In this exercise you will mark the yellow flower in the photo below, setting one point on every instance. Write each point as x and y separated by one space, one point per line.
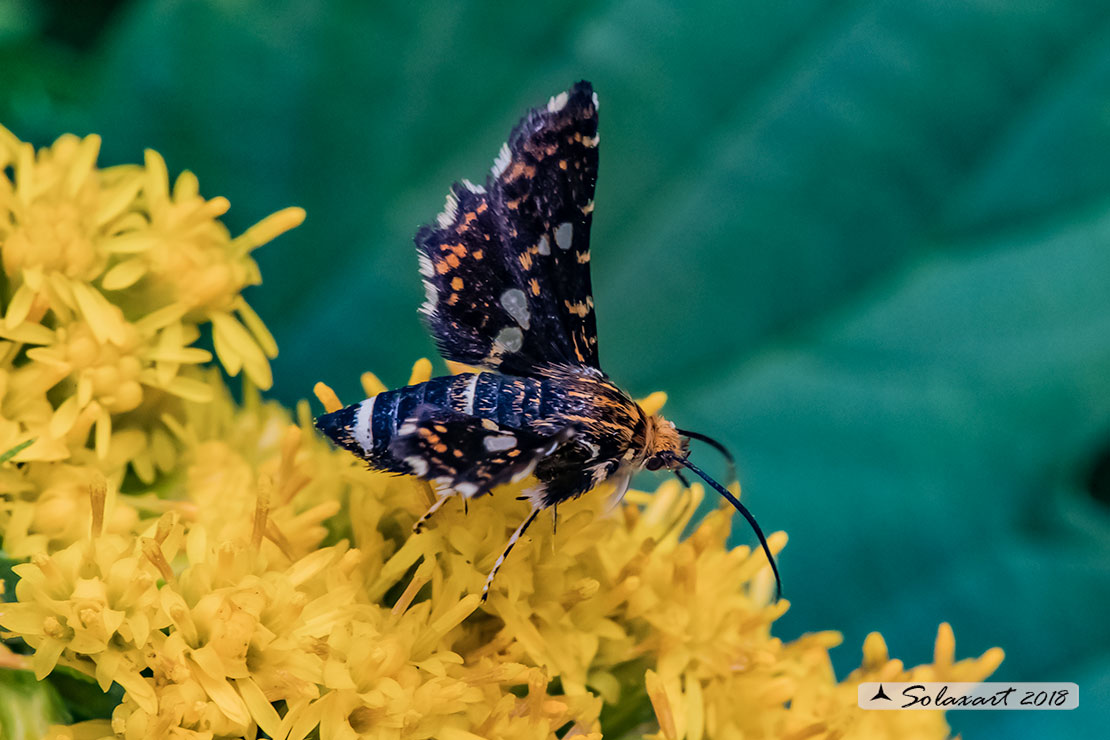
110 273
235 575
92 606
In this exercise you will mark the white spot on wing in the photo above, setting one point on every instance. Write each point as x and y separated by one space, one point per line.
468 394
591 142
543 246
595 100
473 188
511 338
496 444
418 464
557 103
503 158
450 208
467 489
426 268
513 301
564 235
364 435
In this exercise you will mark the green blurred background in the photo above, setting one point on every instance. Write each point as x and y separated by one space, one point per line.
866 244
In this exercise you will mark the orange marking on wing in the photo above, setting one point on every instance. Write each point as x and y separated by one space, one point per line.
481 208
519 169
525 260
441 448
452 260
478 252
578 309
535 284
583 257
562 164
512 204
442 267
577 352
452 299
456 283
459 250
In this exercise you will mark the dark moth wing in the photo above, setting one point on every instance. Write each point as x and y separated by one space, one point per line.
506 267
467 454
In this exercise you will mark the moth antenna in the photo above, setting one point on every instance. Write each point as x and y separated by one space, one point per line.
747 515
717 446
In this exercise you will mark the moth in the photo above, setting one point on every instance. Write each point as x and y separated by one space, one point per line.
506 272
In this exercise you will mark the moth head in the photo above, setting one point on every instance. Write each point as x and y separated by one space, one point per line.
664 446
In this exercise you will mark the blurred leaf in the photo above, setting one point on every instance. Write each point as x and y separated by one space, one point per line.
82 695
7 577
27 706
19 19
924 450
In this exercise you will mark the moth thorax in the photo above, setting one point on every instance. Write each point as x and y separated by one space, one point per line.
662 438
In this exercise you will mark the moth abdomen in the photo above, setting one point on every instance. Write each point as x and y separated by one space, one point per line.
367 428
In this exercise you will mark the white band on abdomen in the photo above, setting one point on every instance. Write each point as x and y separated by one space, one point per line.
364 432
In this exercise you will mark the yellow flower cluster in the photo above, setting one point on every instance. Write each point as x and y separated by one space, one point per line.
249 579
107 276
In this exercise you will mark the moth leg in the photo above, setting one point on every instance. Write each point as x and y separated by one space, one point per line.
620 487
560 481
418 527
508 546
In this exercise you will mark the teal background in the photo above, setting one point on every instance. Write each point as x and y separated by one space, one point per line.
866 244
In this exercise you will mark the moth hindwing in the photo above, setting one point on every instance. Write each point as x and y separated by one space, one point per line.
466 454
